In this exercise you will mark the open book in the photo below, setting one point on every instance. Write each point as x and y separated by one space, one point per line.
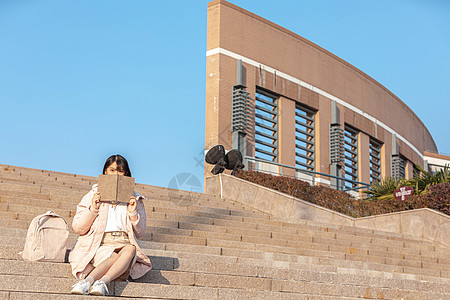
115 188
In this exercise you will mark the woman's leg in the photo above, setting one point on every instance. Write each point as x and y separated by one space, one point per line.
115 265
102 268
86 271
126 255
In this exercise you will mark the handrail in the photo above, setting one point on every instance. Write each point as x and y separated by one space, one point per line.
308 172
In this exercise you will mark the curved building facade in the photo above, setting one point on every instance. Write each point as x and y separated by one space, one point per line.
283 99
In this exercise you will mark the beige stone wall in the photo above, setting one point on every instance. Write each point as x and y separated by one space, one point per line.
425 223
274 50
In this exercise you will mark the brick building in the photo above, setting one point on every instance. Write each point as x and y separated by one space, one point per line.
283 99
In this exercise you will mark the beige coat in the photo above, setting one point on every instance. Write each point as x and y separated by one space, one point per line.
91 227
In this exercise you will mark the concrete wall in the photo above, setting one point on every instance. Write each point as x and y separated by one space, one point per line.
425 224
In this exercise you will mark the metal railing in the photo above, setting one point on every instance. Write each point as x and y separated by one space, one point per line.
339 180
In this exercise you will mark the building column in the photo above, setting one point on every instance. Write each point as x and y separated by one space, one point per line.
363 158
286 140
409 169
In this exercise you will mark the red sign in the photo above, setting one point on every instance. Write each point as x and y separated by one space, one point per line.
403 192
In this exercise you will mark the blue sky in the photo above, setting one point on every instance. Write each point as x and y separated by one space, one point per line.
81 80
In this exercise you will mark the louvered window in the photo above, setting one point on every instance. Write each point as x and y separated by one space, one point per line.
351 155
398 166
304 138
266 126
375 160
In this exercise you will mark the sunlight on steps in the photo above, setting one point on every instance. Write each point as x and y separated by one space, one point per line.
204 247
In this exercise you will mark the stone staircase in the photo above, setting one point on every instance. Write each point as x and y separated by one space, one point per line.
204 247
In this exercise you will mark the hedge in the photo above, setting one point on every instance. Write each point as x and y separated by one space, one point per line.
437 198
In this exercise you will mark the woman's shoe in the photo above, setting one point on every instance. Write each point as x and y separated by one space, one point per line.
99 288
81 287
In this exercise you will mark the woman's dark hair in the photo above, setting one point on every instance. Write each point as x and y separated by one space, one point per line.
121 163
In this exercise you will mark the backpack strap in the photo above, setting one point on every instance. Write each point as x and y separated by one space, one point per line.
49 214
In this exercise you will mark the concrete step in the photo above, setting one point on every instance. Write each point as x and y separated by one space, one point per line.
309 233
214 279
159 204
383 241
50 181
77 179
171 257
255 257
46 179
70 195
289 261
51 185
285 261
181 210
356 244
204 247
279 289
20 188
14 172
49 296
150 291
338 245
224 294
214 238
8 169
45 174
42 175
188 268
26 206
287 229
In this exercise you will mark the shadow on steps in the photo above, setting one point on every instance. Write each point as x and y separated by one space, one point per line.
159 263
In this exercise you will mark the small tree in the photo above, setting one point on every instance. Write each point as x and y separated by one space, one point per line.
424 179
384 189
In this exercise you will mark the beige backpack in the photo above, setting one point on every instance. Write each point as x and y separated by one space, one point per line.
47 238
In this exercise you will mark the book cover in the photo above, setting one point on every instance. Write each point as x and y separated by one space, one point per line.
115 188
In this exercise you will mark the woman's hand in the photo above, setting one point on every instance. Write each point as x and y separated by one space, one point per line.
132 205
96 201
